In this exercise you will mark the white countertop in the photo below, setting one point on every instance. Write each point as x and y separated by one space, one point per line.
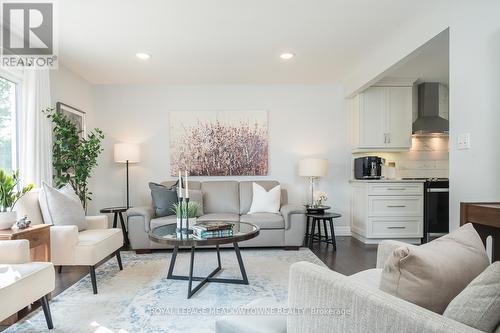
387 181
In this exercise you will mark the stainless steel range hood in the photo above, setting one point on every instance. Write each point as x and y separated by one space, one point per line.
432 110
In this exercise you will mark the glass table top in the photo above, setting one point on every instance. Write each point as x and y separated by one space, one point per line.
168 234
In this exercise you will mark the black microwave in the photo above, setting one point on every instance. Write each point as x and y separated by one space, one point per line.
368 167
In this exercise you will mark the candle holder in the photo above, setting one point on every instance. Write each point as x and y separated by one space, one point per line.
187 230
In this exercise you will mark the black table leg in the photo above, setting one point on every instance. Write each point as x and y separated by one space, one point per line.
210 278
334 241
326 232
124 230
313 229
240 263
306 241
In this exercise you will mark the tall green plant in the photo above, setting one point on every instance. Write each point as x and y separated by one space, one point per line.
74 156
8 193
188 210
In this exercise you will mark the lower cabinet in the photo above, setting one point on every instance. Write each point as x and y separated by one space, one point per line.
392 211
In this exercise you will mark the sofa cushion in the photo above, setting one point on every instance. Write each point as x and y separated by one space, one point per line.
22 284
431 275
62 206
478 305
219 217
163 198
221 197
95 245
264 201
264 220
28 205
370 277
246 192
157 222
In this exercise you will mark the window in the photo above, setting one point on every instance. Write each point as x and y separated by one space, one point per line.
8 105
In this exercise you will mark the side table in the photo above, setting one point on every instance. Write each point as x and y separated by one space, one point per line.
315 219
118 212
39 237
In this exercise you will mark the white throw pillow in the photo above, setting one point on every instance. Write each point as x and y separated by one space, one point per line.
62 206
264 201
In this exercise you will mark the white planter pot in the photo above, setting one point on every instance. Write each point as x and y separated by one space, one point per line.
192 221
7 220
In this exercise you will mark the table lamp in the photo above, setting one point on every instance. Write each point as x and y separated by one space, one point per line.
127 153
313 168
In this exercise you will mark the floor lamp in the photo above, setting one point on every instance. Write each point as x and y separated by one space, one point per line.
127 153
313 168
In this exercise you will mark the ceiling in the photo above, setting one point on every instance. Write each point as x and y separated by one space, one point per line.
225 41
429 63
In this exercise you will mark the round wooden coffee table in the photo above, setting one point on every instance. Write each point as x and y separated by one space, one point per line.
167 234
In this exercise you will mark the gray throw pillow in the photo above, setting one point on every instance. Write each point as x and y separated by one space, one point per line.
164 199
61 206
431 275
478 305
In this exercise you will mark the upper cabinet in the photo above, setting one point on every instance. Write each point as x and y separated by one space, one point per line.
382 119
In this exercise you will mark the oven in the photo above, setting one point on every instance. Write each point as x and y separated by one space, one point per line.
436 208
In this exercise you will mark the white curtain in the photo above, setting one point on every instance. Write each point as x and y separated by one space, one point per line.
35 130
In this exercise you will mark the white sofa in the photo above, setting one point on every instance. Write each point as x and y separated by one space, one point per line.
355 304
68 247
23 282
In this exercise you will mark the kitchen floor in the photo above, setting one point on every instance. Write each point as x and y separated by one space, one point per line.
351 257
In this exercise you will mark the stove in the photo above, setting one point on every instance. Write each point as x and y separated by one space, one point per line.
436 207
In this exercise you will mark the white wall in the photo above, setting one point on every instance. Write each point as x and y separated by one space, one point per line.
303 121
474 90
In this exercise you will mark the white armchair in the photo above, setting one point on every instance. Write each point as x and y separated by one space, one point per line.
69 247
23 282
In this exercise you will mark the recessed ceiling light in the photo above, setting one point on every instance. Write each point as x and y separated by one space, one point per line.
287 56
143 56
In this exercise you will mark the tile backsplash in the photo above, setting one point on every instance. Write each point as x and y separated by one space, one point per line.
428 157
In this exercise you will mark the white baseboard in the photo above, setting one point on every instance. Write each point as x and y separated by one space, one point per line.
375 241
342 230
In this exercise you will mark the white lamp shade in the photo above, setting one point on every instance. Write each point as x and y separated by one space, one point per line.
127 152
313 167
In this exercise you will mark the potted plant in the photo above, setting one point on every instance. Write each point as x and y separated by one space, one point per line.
74 155
188 210
320 198
9 196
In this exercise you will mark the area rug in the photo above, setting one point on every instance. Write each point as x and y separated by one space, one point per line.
141 298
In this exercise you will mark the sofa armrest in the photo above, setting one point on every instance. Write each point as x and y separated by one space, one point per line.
385 248
63 241
143 214
97 222
288 210
351 307
14 251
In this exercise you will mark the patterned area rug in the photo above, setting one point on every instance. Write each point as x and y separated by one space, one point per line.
141 299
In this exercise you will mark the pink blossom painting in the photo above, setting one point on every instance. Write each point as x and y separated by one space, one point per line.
219 143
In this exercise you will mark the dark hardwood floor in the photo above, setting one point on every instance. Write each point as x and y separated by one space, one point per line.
351 257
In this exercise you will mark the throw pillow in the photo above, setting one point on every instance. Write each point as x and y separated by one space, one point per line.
478 305
163 199
264 201
62 206
431 275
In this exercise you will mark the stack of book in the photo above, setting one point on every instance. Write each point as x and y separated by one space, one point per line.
205 230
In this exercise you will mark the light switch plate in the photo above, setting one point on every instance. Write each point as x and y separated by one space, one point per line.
464 141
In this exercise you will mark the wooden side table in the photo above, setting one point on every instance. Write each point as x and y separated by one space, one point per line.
38 236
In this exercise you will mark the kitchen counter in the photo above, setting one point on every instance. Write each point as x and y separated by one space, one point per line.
387 181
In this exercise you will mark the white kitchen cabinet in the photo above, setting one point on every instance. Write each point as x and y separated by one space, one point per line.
382 119
386 210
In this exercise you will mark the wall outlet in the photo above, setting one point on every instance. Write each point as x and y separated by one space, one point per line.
463 141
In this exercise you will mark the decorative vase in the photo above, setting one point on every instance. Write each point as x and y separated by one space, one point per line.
7 220
181 223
